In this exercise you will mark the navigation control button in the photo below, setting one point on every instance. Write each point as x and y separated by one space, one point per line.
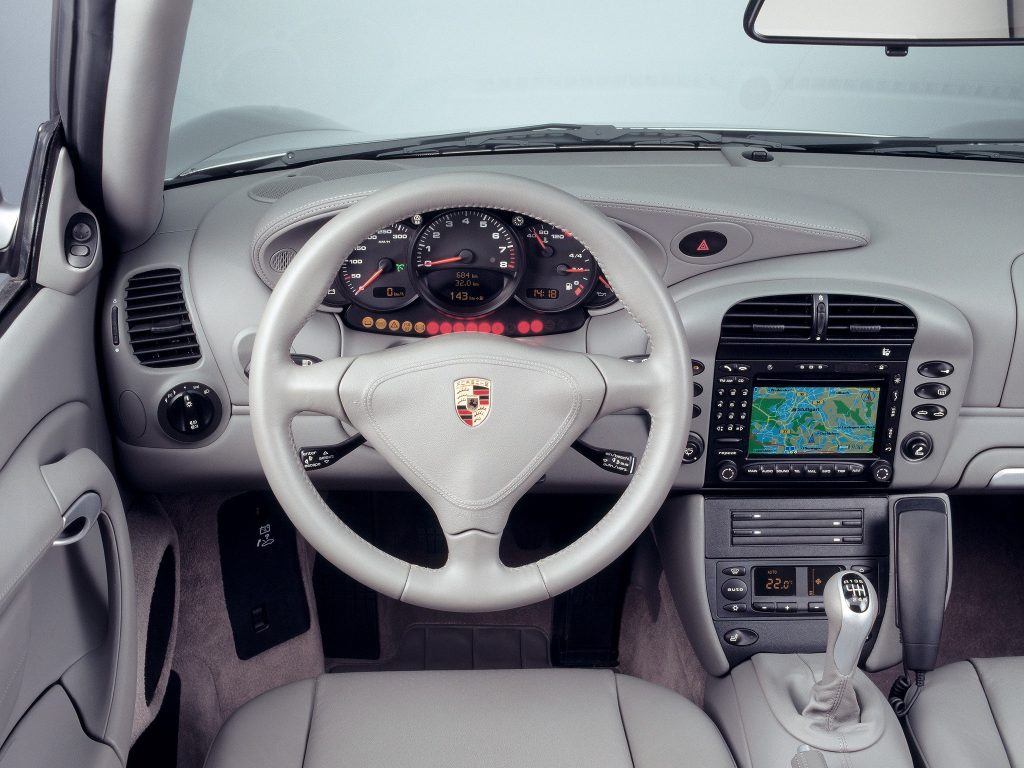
932 390
935 369
881 471
734 589
727 471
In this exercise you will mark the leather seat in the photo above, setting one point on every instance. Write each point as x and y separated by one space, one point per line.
968 715
525 719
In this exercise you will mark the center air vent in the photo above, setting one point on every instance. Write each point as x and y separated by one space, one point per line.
770 318
868 319
159 326
799 526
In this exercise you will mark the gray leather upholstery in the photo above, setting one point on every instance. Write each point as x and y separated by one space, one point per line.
968 715
520 719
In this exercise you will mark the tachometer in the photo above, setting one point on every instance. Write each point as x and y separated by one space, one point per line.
466 262
376 274
560 271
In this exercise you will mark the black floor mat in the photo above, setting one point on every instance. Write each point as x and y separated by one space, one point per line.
348 614
259 560
157 746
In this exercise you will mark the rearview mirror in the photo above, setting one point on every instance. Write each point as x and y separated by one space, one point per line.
892 23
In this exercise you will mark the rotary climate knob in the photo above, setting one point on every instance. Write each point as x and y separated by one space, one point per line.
189 412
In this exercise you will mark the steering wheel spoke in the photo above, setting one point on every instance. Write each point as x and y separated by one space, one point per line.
313 388
628 384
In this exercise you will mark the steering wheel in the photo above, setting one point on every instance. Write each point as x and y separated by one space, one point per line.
403 400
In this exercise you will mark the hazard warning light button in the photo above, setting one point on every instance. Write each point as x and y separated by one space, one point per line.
706 242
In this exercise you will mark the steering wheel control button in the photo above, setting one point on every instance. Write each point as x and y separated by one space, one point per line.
933 390
929 412
189 412
705 242
740 637
935 369
320 457
734 590
917 446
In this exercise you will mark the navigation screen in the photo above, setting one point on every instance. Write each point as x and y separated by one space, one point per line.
813 420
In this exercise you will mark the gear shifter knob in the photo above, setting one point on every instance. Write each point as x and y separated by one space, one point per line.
851 606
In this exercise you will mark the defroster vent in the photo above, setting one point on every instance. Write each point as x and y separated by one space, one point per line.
159 326
797 526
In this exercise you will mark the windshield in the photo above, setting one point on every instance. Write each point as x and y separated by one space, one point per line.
261 77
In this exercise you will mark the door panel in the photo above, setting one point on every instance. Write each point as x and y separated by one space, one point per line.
67 613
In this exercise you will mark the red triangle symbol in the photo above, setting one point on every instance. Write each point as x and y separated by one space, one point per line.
703 247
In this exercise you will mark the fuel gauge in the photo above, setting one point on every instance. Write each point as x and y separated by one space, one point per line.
560 270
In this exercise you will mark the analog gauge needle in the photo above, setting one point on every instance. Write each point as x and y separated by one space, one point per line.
604 282
564 269
545 249
464 255
385 265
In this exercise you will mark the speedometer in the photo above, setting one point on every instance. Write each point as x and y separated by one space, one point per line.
466 262
376 274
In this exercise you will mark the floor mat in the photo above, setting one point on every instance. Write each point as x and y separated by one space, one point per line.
453 646
259 559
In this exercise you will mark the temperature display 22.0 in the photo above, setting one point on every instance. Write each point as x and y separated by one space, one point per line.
775 580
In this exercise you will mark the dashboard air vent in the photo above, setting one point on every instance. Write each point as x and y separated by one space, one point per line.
868 319
770 318
800 526
159 326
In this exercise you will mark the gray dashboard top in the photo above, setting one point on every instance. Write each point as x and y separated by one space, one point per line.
940 235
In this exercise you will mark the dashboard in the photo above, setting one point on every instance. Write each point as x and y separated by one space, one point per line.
852 320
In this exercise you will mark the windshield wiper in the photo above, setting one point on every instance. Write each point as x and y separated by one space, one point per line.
958 149
548 137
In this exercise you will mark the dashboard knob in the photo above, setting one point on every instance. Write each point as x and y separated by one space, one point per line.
917 446
694 448
881 471
189 412
727 471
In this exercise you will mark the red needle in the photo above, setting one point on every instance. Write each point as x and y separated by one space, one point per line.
451 260
576 269
539 239
372 277
604 282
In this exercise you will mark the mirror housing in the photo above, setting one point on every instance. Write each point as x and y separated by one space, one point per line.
894 24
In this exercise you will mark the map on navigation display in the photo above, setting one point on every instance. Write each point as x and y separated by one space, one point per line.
813 420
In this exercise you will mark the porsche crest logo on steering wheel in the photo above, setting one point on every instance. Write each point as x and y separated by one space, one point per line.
472 400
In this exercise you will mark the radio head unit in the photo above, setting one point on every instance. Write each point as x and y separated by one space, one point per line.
821 421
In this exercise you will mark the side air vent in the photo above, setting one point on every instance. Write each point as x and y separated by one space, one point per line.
803 526
865 318
770 318
159 326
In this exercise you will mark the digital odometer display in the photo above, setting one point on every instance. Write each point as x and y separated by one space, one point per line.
775 580
813 420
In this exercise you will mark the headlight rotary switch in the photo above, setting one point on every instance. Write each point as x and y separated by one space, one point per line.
189 412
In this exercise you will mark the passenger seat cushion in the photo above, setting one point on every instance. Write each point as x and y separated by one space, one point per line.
558 718
969 714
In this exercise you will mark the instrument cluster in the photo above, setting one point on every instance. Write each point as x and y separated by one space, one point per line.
469 269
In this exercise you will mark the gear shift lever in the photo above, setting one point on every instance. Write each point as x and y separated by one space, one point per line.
851 606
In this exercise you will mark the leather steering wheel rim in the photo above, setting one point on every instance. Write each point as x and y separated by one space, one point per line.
567 392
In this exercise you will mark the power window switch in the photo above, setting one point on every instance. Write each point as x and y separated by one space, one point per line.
260 621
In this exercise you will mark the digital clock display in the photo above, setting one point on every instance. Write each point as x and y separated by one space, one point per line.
548 294
775 580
